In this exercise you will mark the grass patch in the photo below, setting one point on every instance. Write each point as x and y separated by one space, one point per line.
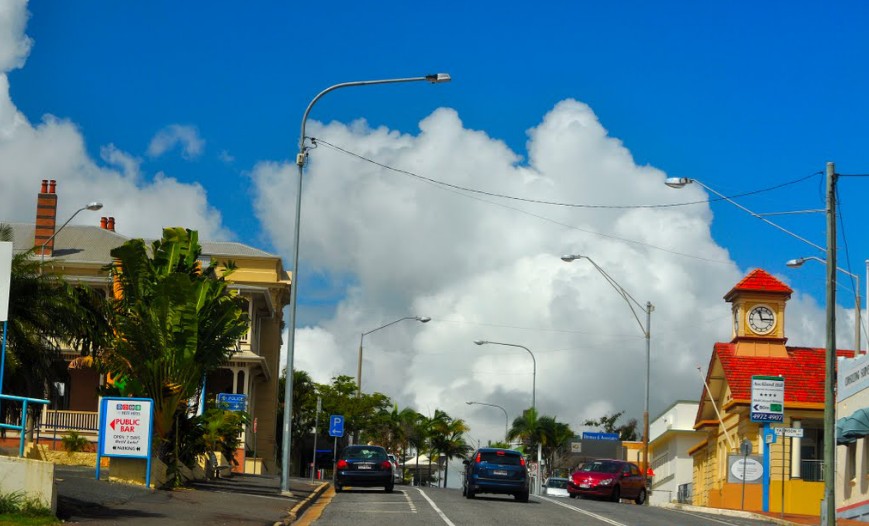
17 508
16 519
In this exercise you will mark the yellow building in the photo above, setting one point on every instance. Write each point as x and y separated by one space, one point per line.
81 253
788 470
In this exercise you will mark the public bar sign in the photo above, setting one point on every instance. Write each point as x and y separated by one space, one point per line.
125 427
767 399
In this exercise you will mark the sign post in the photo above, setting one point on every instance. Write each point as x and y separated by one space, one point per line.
336 429
125 430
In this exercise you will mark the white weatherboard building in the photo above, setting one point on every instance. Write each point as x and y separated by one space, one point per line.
671 436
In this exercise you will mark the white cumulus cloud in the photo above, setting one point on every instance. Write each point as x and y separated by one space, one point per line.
185 137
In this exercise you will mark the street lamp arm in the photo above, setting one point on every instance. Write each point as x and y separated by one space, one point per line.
679 182
435 78
423 319
506 418
630 300
90 206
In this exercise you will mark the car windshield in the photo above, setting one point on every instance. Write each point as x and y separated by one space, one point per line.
501 457
600 467
364 453
557 483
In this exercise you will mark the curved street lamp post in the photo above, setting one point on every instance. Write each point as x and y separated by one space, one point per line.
90 206
533 399
506 418
301 156
421 319
648 335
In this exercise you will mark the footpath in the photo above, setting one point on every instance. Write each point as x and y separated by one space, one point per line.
236 500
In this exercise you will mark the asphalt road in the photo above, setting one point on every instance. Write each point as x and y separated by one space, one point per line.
238 500
439 507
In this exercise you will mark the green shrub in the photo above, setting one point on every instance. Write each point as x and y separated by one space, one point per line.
19 503
73 442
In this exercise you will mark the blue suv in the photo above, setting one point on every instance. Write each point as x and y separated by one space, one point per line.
495 470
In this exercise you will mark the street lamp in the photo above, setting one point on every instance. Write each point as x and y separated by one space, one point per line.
533 398
506 418
90 206
286 443
681 182
421 319
648 335
794 263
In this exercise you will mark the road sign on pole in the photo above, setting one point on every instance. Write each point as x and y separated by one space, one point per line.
336 425
767 398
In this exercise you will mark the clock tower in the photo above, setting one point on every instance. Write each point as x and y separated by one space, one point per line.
758 306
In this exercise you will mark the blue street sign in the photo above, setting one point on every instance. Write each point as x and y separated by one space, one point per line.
588 435
232 402
336 425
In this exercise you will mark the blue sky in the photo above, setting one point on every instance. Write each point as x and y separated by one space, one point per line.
741 96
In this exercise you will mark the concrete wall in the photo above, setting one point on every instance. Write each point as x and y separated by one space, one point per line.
32 477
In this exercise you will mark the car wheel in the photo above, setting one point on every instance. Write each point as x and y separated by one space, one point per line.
573 495
641 498
464 491
389 488
470 494
339 488
522 497
617 494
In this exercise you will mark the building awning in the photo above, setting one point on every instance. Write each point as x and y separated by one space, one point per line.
851 428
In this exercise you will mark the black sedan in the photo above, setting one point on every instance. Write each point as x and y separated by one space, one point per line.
364 466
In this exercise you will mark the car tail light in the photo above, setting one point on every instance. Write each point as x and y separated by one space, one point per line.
342 464
386 464
522 461
479 458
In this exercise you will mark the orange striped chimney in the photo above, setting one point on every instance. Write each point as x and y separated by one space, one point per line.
46 218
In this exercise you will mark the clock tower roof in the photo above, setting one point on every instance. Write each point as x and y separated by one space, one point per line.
759 280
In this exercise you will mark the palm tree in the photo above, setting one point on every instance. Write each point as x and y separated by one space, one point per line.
527 429
173 323
447 438
555 435
417 432
45 315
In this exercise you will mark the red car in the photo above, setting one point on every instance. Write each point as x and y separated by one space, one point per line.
608 479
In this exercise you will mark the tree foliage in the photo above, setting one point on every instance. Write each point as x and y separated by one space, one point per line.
626 432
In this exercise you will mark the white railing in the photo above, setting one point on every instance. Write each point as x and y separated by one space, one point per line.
61 420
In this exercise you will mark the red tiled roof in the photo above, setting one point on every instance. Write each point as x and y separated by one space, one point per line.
803 371
759 280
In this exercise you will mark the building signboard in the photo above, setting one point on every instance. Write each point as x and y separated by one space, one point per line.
767 398
588 435
853 376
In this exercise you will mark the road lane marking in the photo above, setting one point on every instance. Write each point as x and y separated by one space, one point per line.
409 502
584 512
437 510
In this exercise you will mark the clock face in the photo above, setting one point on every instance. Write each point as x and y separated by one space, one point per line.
761 319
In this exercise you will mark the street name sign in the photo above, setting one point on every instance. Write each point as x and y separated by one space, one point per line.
767 398
232 402
336 425
590 435
793 432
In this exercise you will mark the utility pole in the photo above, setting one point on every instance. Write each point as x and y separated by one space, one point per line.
828 513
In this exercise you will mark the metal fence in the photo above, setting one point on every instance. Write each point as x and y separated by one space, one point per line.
685 493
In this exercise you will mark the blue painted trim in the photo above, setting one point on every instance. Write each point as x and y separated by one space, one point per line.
766 463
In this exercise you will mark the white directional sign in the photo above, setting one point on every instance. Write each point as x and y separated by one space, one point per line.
5 278
767 398
794 432
125 427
